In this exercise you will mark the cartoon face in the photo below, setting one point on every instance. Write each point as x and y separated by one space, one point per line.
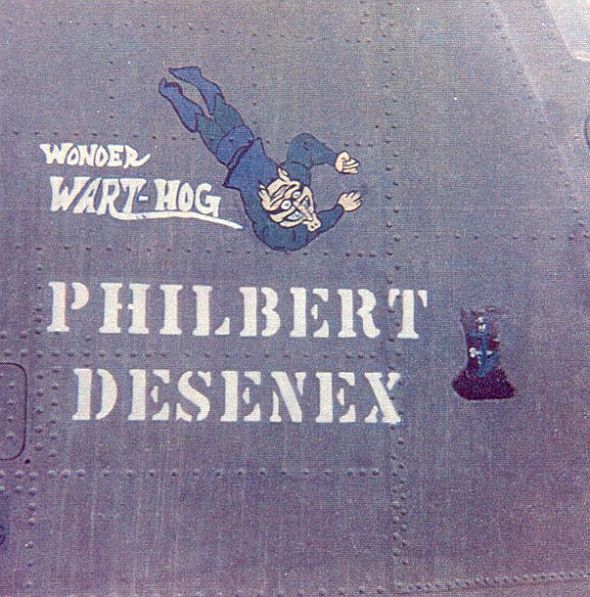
289 203
481 324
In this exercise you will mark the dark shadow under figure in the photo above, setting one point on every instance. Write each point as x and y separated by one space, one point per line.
277 200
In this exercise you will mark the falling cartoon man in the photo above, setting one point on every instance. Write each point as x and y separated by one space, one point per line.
278 200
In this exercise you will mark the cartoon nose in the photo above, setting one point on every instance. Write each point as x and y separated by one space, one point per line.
305 211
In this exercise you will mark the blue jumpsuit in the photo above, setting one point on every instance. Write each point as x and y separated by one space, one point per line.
235 145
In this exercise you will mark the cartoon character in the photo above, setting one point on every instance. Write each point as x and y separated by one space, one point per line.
483 377
278 200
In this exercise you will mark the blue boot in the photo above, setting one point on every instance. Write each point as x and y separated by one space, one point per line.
208 89
186 109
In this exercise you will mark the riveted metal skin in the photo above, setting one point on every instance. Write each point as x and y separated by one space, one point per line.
467 118
13 410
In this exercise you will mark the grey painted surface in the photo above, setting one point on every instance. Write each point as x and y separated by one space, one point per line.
466 117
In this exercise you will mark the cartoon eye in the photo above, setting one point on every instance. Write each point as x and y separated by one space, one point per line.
286 204
296 194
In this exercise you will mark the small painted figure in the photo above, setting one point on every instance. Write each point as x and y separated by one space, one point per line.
278 200
483 378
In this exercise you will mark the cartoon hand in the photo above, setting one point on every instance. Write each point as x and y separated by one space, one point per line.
350 201
345 164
